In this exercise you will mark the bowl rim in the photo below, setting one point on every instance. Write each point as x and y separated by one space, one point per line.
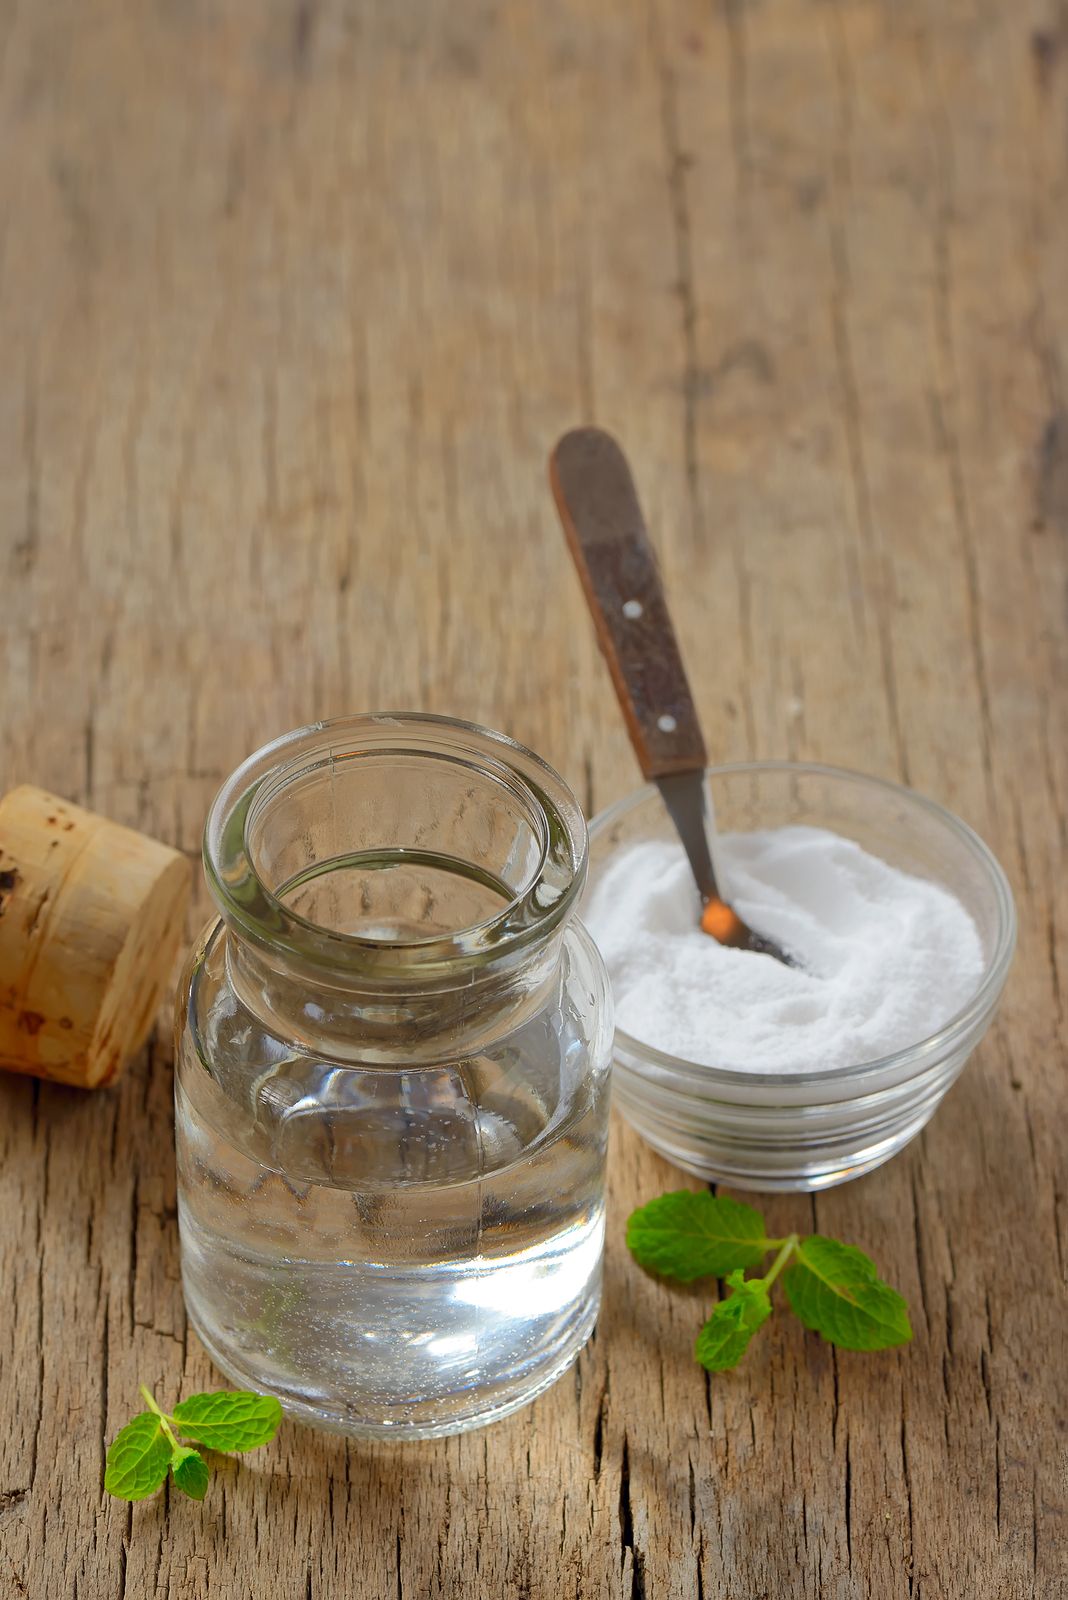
922 1052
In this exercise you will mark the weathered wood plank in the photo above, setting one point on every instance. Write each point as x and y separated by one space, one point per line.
293 301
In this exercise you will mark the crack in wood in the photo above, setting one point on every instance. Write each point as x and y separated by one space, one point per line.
304 18
1053 473
841 291
28 542
737 89
677 163
599 1428
947 413
626 1527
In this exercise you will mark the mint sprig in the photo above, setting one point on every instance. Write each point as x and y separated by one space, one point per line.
231 1419
686 1235
190 1471
834 1288
138 1459
724 1339
148 1447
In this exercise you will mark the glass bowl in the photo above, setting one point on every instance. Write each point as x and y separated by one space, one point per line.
810 1130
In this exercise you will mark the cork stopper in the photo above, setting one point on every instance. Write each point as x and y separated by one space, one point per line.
91 916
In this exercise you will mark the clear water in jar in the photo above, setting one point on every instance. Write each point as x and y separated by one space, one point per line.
408 1251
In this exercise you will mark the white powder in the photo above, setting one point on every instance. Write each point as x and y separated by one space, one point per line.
886 959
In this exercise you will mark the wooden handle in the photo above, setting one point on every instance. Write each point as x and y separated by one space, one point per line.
91 915
598 506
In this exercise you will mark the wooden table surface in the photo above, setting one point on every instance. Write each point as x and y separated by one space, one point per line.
294 300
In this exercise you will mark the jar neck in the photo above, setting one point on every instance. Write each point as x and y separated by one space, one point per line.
391 1023
394 887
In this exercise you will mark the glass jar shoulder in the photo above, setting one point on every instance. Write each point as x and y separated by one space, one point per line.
217 1028
297 1111
586 988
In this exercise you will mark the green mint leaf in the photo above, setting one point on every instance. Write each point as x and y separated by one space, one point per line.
723 1340
138 1459
686 1235
189 1471
229 1419
835 1290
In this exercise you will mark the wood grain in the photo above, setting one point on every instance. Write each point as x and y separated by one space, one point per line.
293 301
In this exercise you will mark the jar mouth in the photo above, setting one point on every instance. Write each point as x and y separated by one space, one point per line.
377 813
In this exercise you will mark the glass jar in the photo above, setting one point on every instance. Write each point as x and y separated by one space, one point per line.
392 1079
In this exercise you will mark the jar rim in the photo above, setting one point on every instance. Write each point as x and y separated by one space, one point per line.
537 907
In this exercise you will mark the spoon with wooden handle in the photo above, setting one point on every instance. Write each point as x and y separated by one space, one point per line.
605 529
